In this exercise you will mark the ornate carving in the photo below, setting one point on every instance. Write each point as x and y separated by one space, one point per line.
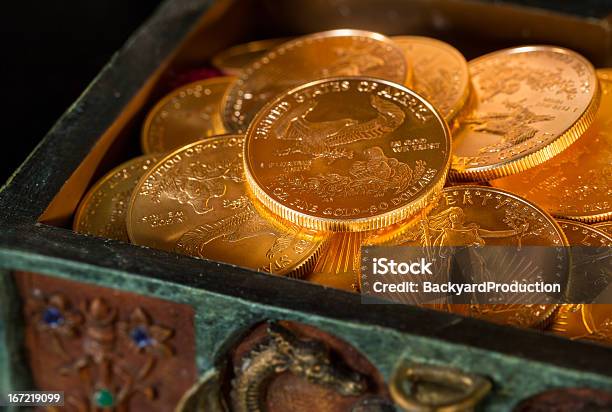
287 366
109 378
54 317
283 352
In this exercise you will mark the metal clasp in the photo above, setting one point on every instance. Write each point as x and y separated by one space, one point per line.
430 388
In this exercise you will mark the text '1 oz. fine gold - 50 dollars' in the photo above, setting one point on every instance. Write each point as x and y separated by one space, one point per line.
347 154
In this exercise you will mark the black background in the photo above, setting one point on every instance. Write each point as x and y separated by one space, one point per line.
51 50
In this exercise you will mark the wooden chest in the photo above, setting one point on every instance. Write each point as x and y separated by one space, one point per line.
140 327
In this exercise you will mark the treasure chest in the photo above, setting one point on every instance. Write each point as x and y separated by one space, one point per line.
122 327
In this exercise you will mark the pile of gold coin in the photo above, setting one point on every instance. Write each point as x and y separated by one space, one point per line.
315 146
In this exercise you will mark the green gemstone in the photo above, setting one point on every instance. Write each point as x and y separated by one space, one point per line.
104 398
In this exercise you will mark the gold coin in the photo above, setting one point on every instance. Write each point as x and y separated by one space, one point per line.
194 202
188 114
339 264
588 277
321 55
531 103
347 154
103 209
584 321
605 227
579 234
577 184
231 61
440 73
483 216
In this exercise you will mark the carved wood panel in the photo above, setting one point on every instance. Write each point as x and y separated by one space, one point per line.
107 349
325 373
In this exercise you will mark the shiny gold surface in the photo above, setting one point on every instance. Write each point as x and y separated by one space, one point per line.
480 216
506 116
187 114
347 154
577 184
579 234
321 55
231 61
531 103
194 202
605 227
339 264
440 73
103 209
584 321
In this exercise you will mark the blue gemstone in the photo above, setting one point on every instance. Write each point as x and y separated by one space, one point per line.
140 336
53 317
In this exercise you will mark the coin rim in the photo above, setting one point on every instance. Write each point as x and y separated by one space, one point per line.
599 225
84 203
229 97
546 319
145 131
587 227
219 59
458 106
566 307
540 154
351 225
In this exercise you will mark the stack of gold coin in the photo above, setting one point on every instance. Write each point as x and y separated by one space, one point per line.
319 145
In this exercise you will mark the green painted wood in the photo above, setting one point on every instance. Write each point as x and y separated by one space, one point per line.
14 373
221 320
